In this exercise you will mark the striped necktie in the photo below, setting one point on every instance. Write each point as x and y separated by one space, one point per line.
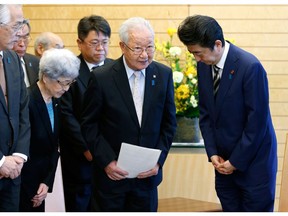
216 80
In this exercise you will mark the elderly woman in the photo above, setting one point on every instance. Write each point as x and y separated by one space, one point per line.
57 71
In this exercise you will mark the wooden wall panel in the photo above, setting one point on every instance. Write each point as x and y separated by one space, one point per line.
259 29
121 11
242 11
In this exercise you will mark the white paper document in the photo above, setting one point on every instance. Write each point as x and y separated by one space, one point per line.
135 159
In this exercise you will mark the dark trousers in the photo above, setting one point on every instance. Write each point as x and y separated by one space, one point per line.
9 195
77 197
135 200
239 197
26 205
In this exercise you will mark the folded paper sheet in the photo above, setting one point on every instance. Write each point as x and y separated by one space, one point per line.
135 159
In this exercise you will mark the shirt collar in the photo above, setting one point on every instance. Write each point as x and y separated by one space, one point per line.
221 63
130 71
90 66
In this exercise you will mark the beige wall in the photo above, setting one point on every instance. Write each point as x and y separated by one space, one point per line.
260 29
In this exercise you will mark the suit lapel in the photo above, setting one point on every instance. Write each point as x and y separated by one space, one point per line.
42 109
150 86
206 85
84 75
2 97
56 119
227 78
122 83
10 70
30 69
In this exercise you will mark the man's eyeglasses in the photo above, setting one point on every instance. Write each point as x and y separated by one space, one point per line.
138 50
25 39
17 26
96 43
65 84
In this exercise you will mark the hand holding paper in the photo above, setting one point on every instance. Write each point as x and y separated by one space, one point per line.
135 159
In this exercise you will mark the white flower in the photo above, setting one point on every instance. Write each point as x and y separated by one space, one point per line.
177 76
193 101
175 51
194 81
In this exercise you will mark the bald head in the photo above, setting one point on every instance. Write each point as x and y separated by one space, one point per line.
45 41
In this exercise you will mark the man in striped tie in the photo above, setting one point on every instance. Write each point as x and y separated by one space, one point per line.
235 118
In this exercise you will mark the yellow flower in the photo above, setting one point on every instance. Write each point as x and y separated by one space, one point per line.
171 31
182 92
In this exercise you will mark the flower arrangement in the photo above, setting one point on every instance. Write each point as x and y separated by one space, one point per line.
184 76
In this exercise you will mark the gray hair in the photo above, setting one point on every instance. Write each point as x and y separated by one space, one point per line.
57 63
5 15
132 24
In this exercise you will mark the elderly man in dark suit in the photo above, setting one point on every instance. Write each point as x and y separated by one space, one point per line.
132 101
93 41
235 118
14 113
30 63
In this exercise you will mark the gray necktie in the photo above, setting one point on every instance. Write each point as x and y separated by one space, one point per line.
2 79
137 96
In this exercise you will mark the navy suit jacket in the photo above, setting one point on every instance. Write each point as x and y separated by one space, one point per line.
32 67
237 126
109 118
76 168
15 126
43 159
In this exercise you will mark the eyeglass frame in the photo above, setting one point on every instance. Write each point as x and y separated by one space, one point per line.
26 39
63 85
97 43
16 27
139 50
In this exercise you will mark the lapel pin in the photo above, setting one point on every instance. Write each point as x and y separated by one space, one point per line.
30 64
154 76
231 74
8 60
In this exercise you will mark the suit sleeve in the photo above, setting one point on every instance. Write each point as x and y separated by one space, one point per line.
23 141
91 113
72 127
257 108
168 125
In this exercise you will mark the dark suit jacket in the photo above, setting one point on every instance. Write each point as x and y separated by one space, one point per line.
238 125
109 118
75 167
15 126
42 163
32 67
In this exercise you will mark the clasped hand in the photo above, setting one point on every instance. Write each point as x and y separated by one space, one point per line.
11 168
222 166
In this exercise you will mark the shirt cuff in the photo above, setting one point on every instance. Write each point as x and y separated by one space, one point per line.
2 161
21 155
